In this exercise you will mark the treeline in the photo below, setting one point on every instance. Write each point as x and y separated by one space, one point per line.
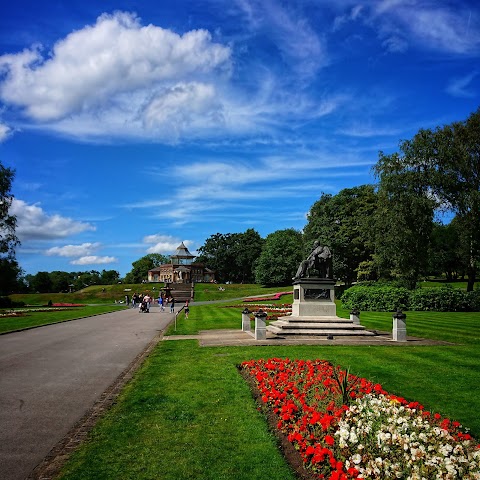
59 281
383 231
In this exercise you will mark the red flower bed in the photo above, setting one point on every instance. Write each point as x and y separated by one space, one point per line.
346 427
275 296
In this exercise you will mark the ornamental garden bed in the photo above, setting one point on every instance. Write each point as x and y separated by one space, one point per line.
334 425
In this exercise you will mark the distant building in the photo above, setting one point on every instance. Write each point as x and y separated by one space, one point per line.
181 269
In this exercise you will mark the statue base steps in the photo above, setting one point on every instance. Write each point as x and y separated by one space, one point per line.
318 326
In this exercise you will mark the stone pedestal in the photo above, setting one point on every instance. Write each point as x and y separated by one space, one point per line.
399 332
314 297
246 327
260 325
355 316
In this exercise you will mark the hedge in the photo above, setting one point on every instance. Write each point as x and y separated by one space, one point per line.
390 299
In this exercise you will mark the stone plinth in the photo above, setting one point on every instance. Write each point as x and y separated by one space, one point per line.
313 297
246 327
260 325
399 331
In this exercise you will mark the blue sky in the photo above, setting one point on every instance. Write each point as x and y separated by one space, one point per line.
133 126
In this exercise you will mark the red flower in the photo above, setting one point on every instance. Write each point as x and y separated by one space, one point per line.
329 440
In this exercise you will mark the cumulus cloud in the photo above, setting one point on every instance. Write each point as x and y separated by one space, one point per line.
85 249
116 67
33 223
93 260
164 244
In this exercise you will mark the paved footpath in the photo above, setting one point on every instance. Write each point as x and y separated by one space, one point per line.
51 376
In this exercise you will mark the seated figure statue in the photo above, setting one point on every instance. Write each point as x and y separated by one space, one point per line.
320 259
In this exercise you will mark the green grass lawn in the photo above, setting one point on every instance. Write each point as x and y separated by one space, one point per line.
35 319
188 414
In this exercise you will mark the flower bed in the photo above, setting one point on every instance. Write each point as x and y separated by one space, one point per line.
346 427
275 296
273 311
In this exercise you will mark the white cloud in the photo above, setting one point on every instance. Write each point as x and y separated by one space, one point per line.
5 132
164 244
84 249
116 68
94 260
290 31
33 223
462 87
428 25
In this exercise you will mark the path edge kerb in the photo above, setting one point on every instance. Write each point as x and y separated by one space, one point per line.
51 465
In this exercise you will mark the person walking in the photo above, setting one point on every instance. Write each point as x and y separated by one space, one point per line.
160 303
172 305
187 309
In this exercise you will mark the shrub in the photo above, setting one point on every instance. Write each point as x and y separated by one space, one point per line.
7 302
379 299
387 299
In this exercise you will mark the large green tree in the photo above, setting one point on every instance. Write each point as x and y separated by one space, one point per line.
232 255
282 253
344 223
247 248
443 166
446 255
9 268
404 220
141 267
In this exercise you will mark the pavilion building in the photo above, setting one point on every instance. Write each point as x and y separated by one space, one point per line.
181 269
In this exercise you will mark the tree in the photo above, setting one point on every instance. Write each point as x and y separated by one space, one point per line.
109 277
218 253
344 223
60 281
10 271
10 274
41 282
446 256
442 165
282 253
247 248
404 220
141 267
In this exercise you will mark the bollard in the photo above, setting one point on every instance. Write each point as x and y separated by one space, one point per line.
260 325
355 316
399 332
246 321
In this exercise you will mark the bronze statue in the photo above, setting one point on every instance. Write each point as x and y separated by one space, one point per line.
320 259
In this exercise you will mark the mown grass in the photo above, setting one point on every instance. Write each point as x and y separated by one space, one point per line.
211 292
188 414
95 294
35 319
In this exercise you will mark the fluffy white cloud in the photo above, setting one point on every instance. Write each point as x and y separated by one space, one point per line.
85 249
34 224
94 260
164 244
116 67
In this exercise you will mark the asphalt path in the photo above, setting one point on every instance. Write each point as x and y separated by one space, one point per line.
52 375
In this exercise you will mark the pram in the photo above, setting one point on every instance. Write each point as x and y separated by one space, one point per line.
144 308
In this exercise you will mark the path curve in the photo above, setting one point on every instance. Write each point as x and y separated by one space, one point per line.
51 376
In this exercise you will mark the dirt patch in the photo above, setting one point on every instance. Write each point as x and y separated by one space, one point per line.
291 455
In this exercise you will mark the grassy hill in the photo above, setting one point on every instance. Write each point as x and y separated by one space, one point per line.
108 294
